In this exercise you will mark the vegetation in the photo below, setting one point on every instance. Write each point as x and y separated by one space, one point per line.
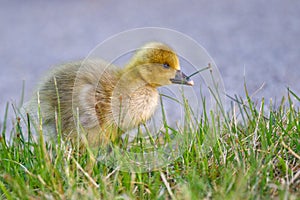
251 152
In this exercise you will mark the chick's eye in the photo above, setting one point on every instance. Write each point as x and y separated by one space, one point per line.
166 65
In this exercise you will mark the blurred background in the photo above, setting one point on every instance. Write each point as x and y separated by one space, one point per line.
253 40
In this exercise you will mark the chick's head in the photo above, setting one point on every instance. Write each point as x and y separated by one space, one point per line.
157 64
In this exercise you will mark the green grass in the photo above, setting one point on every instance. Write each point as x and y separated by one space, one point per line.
253 152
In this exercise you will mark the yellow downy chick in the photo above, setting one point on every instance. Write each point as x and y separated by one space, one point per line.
109 100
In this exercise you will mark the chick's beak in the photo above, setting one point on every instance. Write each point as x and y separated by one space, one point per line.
181 78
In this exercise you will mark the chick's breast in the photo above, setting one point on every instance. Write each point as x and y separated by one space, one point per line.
133 108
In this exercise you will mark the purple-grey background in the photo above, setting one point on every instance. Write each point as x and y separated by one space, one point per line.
258 40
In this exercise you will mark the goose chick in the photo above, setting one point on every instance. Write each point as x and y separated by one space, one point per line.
106 99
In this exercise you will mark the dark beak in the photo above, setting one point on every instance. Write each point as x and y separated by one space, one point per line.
181 78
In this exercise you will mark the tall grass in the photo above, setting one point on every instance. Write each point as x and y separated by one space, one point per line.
254 153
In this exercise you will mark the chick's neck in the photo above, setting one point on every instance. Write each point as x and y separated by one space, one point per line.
131 79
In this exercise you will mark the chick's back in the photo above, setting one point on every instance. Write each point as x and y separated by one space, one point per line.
72 88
